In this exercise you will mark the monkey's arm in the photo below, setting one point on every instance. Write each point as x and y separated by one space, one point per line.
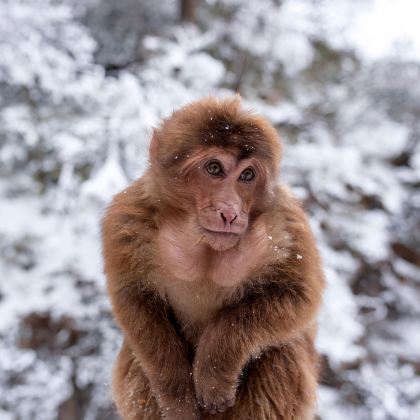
275 309
145 321
144 317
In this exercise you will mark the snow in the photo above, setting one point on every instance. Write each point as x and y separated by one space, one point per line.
109 180
328 74
338 319
390 27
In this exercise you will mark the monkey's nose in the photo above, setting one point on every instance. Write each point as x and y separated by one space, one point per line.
228 216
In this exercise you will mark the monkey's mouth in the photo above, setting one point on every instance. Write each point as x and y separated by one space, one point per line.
220 240
220 233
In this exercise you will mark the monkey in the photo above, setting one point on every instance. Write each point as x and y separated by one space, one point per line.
213 274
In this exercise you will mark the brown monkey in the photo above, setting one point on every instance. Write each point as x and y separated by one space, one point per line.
214 275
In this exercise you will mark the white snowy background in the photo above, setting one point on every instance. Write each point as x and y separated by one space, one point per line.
82 82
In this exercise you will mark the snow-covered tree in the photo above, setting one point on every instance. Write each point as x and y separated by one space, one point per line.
81 86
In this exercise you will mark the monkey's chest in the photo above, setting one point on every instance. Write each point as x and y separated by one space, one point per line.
208 270
194 304
196 281
187 282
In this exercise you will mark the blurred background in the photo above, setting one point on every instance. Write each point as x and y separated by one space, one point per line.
81 84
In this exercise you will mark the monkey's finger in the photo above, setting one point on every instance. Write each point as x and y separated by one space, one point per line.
212 407
221 408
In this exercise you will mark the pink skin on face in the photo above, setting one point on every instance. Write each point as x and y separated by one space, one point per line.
222 210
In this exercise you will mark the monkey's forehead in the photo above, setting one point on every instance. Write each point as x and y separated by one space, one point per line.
220 123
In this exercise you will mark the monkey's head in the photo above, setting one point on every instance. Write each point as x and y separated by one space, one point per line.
216 164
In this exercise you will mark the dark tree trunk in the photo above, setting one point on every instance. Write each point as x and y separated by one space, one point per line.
188 10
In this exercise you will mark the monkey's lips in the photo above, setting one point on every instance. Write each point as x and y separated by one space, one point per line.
221 233
220 240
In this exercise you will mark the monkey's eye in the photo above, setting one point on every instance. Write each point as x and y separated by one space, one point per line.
214 168
247 175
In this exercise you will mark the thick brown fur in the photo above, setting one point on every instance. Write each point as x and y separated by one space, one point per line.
217 299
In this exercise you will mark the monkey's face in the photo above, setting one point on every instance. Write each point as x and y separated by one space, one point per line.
223 191
215 165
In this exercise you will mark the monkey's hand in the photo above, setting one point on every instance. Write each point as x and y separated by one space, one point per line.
215 379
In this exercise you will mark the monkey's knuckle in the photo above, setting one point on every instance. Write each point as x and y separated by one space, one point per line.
215 398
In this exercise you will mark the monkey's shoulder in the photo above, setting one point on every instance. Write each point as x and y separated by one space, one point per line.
131 211
128 230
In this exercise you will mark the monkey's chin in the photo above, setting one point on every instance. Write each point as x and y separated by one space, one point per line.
220 241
